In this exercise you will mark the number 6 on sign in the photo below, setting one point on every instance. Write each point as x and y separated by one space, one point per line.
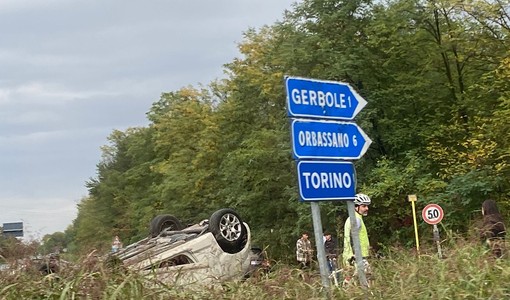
432 214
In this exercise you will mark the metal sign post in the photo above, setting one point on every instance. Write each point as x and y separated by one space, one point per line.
433 214
320 140
437 239
321 252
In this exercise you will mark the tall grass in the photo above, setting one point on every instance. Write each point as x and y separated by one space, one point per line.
466 272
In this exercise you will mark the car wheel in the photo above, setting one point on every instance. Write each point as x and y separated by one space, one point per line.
228 230
162 222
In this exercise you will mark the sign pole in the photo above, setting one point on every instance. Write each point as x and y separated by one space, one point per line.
433 214
319 242
412 199
435 232
356 245
321 141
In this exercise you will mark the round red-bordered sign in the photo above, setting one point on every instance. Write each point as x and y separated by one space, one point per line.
432 214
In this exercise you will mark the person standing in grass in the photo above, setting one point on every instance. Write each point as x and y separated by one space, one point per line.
493 230
361 203
304 251
330 248
116 244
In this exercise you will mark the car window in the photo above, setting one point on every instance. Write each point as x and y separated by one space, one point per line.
177 260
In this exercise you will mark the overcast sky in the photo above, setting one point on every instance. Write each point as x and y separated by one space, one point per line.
72 71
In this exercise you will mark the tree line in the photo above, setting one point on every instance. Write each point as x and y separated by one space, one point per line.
434 73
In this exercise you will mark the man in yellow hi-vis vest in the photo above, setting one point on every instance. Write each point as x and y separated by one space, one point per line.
361 203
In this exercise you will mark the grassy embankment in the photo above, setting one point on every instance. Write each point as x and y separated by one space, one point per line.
467 272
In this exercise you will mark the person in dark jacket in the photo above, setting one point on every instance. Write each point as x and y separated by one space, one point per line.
329 245
330 249
493 230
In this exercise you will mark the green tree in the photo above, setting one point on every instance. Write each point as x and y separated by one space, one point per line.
55 242
435 75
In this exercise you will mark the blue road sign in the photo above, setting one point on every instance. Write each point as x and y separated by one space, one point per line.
326 180
328 140
13 229
322 99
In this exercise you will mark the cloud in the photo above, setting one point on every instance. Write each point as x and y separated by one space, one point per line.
9 6
48 139
29 117
73 71
33 138
48 94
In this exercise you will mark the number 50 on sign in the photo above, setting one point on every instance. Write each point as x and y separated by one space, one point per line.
432 214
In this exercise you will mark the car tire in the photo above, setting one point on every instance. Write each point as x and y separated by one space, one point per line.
228 230
162 222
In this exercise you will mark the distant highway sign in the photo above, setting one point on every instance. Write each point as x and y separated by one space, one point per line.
14 229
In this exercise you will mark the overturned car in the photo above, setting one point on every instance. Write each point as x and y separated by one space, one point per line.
213 250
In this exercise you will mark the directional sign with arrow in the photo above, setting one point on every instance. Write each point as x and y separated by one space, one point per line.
319 137
313 139
322 99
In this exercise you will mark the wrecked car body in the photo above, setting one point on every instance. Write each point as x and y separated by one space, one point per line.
213 250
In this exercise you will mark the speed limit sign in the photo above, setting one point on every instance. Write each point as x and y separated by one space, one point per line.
432 214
